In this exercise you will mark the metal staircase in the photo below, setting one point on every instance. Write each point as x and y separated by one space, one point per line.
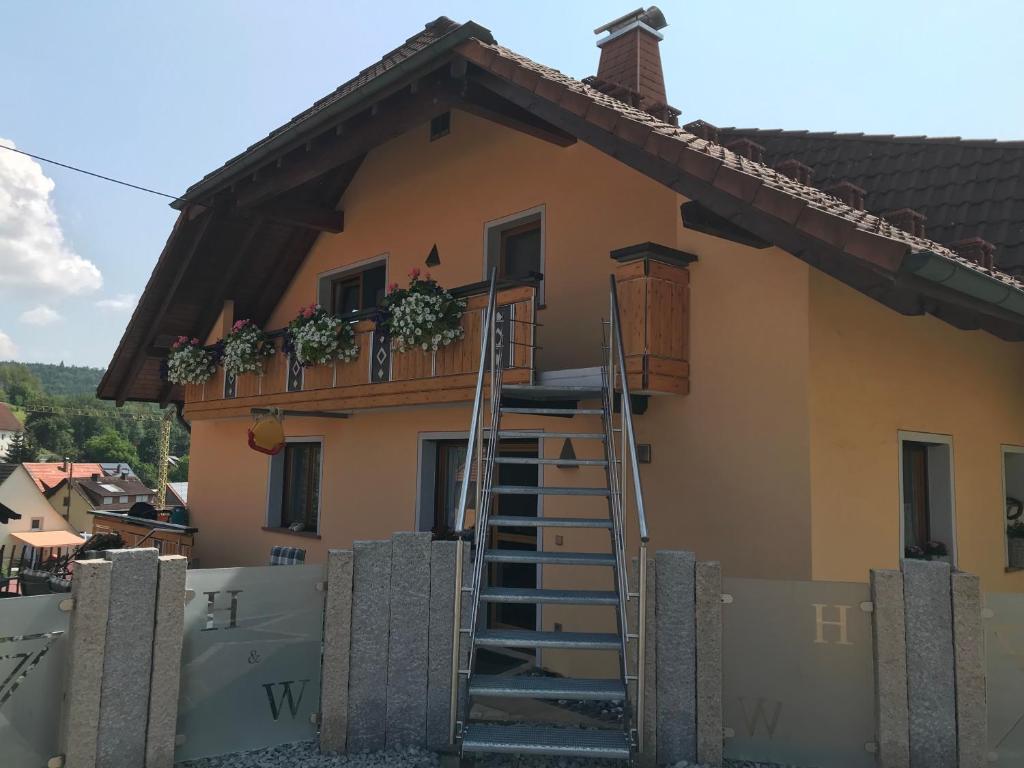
616 495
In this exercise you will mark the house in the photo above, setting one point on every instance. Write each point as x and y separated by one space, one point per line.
816 390
51 478
19 494
81 496
10 425
177 494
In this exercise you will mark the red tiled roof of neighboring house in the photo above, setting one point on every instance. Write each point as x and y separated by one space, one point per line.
8 421
50 473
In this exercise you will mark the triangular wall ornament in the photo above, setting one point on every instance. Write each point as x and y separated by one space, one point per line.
433 259
567 453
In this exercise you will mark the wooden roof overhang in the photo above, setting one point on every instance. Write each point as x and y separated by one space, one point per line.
243 230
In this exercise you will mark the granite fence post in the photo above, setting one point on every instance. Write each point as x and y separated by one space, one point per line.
87 639
368 670
407 659
337 646
677 666
888 627
439 642
708 584
969 655
124 691
165 676
931 681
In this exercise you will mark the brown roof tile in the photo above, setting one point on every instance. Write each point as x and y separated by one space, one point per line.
8 421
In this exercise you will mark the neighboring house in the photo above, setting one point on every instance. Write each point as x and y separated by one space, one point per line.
51 479
177 494
83 495
10 425
817 389
19 493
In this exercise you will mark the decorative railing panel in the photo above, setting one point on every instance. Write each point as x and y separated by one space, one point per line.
250 675
33 655
1004 649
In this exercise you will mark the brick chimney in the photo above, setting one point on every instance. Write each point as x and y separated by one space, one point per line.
906 219
631 60
795 170
976 249
849 193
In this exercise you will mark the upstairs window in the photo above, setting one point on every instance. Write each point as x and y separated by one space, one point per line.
37 523
515 245
926 488
354 291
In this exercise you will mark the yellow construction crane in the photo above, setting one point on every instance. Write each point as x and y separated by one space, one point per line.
165 452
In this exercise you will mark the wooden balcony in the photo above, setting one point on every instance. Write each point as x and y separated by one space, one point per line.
381 376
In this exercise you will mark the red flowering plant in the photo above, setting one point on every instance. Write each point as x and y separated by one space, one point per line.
424 315
245 348
316 337
189 362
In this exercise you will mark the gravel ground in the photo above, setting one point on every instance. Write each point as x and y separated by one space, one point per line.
305 754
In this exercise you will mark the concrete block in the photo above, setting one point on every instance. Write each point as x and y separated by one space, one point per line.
87 639
892 713
650 755
410 622
930 664
677 657
708 588
124 692
368 671
337 646
439 642
168 634
969 654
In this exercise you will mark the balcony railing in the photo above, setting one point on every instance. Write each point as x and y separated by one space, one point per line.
383 376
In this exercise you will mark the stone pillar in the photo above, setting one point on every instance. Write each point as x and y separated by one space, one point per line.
969 657
337 646
931 683
87 639
168 634
708 581
892 714
439 642
407 660
124 692
368 682
677 666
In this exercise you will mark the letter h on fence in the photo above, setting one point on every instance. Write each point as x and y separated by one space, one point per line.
232 611
821 623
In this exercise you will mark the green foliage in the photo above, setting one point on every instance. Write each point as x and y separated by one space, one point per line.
66 379
108 445
18 384
18 450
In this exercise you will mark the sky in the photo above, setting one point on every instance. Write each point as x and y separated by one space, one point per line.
158 94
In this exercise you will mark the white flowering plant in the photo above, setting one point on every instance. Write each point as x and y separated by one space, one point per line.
316 337
189 362
423 316
245 349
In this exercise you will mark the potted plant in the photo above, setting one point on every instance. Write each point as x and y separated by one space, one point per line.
1015 544
316 337
189 362
245 349
423 316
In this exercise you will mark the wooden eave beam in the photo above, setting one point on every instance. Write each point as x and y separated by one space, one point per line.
307 216
486 104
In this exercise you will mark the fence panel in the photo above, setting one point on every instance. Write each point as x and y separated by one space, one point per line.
1004 649
250 674
33 655
798 685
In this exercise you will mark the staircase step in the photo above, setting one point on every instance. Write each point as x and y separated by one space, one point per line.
554 411
550 596
548 490
558 462
545 740
527 434
525 638
548 558
542 392
576 689
509 521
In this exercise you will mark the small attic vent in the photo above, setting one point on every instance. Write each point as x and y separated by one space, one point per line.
441 125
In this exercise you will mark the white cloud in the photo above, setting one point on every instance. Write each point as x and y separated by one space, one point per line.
41 315
8 351
123 302
33 253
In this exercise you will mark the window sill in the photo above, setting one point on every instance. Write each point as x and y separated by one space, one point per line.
1012 569
286 532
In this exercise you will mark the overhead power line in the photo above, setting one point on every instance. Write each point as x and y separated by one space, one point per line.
59 411
90 173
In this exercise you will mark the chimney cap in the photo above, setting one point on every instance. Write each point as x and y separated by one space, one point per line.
651 17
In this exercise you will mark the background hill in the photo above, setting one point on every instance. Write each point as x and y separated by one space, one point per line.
66 379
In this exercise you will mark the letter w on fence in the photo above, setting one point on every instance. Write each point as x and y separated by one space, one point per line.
286 696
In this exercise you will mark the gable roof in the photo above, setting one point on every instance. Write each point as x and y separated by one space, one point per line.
966 188
6 470
49 474
8 421
313 157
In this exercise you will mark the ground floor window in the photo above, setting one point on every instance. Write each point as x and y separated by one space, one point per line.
1013 491
926 496
294 497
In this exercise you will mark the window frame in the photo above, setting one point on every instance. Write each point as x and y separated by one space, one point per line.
494 239
931 439
275 488
32 524
1004 450
325 280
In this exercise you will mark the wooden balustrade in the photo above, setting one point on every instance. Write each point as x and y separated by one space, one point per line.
381 375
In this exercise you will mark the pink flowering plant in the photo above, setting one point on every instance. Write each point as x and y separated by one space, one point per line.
245 349
316 337
189 362
423 316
